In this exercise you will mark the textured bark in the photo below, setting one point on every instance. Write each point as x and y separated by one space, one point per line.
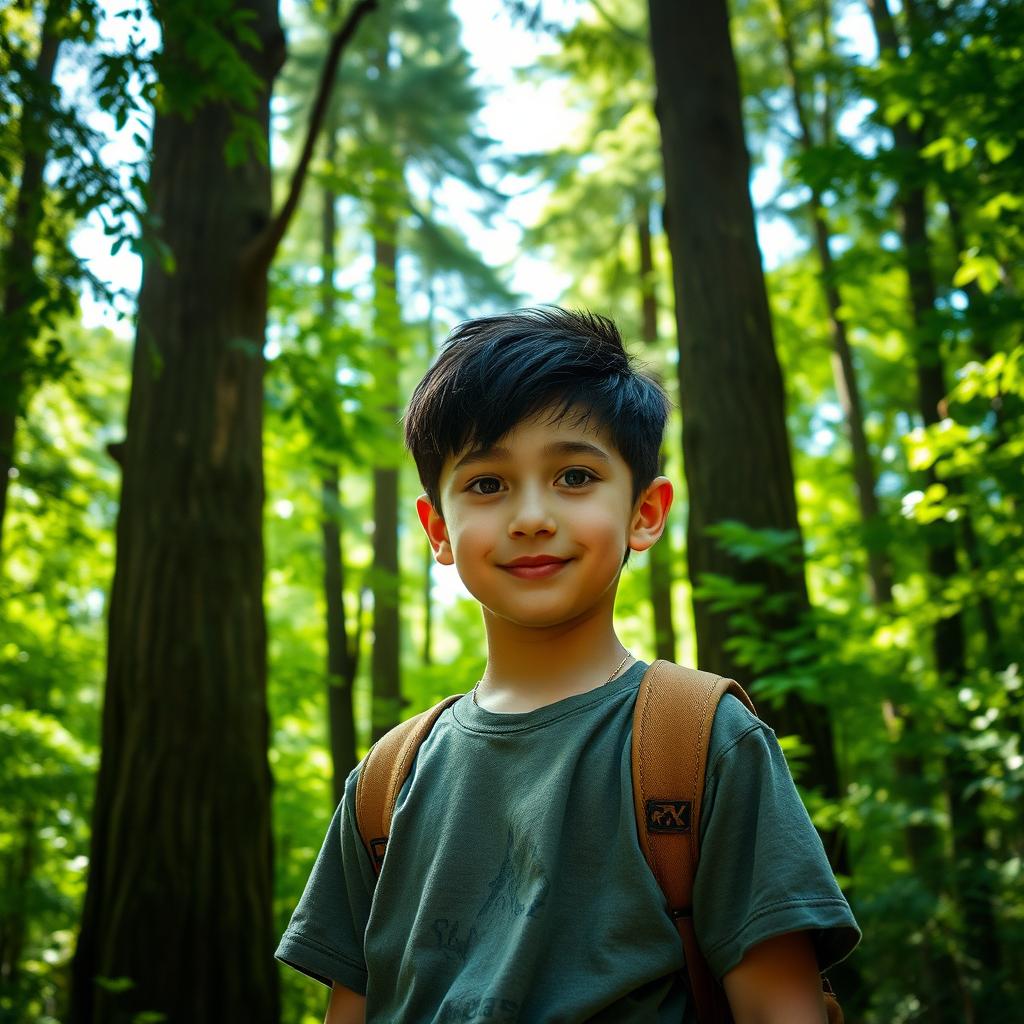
342 656
975 882
660 575
735 444
17 276
179 898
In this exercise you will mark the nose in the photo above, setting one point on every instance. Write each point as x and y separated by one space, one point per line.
531 514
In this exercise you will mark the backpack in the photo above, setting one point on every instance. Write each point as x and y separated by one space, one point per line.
675 707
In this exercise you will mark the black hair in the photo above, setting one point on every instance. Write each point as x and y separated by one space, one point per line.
494 372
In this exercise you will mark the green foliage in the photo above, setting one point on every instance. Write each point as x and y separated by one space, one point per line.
59 545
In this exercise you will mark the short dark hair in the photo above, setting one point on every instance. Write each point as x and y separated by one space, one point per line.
494 372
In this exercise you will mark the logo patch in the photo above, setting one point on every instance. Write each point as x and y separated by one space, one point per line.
668 815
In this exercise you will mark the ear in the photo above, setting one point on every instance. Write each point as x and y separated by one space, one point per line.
650 514
436 531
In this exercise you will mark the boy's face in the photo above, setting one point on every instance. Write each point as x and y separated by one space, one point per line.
556 494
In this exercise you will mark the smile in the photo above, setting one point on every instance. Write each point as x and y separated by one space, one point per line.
537 570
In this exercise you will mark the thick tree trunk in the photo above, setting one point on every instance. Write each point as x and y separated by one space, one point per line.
735 444
660 573
342 658
17 275
975 880
178 911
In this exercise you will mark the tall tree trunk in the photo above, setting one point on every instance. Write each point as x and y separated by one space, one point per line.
178 911
660 575
386 664
735 443
880 574
17 276
342 659
975 879
387 691
342 650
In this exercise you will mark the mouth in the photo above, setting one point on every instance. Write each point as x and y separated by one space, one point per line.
532 567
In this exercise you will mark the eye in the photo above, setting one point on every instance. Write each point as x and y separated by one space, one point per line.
485 485
578 477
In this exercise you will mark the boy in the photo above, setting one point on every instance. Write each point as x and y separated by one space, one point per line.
514 887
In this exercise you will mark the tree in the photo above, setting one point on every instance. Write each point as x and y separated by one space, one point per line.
179 875
735 443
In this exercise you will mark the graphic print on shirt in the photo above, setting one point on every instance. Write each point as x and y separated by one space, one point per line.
456 946
520 889
521 886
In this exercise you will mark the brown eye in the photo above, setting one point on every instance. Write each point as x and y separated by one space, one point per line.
577 477
486 485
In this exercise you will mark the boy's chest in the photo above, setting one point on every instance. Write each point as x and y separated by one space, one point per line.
514 883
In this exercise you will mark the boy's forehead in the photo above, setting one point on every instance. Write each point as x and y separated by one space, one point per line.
569 430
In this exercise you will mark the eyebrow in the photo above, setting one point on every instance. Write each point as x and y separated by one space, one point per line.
495 453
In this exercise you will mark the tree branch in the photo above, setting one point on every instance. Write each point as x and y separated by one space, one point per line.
633 37
266 245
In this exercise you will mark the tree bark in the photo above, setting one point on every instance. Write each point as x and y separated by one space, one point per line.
17 276
660 572
386 670
342 658
179 897
735 443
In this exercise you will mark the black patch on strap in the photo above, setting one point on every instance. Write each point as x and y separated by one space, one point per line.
668 815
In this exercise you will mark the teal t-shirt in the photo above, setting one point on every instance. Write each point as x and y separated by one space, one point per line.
514 888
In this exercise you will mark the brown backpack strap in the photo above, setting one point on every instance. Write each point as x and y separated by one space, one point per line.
675 707
384 769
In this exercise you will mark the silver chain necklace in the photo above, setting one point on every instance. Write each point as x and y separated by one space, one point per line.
618 669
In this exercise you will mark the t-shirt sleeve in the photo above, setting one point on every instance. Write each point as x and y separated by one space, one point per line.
324 938
762 869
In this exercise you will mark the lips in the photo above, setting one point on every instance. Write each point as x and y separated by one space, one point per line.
530 560
534 567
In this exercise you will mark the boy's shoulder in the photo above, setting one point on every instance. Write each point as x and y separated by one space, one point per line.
733 723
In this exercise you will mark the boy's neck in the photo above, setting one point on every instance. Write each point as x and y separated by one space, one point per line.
529 668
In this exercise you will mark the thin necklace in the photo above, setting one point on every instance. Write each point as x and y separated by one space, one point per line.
618 669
